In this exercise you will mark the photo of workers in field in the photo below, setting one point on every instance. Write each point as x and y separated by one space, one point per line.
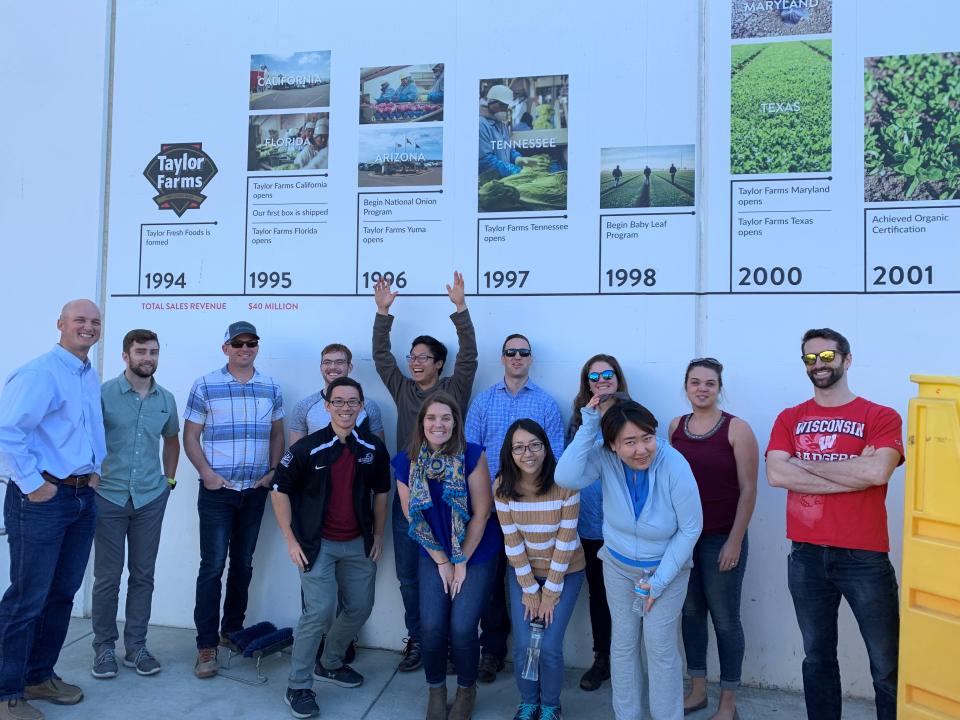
289 141
781 107
779 18
400 156
401 94
522 158
912 128
297 80
659 176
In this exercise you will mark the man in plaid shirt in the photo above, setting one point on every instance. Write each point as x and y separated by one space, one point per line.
233 435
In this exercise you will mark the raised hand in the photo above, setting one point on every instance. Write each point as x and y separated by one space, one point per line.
457 292
383 296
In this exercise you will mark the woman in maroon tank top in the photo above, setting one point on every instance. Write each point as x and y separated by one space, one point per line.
723 454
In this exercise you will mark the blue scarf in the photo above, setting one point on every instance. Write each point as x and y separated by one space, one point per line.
447 469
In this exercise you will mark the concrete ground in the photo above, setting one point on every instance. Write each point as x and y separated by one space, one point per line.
385 694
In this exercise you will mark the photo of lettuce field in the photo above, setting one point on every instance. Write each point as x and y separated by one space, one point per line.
781 107
633 190
912 127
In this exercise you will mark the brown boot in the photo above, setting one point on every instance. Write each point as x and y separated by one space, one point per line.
463 703
437 703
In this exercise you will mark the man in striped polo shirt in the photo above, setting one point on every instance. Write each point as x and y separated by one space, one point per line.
233 435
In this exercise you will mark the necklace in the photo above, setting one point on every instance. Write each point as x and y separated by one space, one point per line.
708 434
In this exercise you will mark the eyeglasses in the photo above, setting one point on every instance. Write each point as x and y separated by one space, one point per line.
534 447
350 403
237 344
420 358
827 356
605 374
333 363
513 352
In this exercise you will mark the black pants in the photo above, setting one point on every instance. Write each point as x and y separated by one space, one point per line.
599 612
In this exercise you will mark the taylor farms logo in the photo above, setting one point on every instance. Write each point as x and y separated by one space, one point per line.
178 173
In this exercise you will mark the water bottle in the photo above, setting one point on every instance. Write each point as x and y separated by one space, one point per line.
640 594
531 667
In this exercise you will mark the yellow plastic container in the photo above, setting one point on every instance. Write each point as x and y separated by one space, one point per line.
929 686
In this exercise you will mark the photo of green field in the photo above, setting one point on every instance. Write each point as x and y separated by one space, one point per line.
658 176
912 127
781 107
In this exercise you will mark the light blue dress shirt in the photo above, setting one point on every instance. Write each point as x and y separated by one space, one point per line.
50 419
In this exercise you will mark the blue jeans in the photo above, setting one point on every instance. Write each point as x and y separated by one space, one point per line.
495 618
719 593
818 577
452 623
406 558
547 690
49 548
229 524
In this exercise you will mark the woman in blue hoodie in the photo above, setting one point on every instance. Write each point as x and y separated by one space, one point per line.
651 521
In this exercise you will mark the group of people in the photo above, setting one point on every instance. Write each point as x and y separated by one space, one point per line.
499 516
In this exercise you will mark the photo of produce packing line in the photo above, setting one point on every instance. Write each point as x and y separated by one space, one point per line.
401 93
291 141
522 156
781 107
912 128
660 176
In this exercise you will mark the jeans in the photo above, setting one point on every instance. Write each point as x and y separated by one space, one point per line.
599 610
118 529
341 569
657 628
406 557
229 524
547 690
719 593
818 577
49 548
495 618
452 623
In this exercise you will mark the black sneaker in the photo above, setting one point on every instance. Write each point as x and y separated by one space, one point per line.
594 678
489 667
302 702
412 656
348 657
344 676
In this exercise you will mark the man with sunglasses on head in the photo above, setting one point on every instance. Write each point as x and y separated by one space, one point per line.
233 435
330 499
491 413
426 360
835 454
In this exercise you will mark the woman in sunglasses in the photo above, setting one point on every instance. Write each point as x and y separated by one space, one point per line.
444 490
651 522
601 376
723 454
539 522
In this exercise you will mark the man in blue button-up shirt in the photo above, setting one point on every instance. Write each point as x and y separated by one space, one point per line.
131 499
491 413
52 442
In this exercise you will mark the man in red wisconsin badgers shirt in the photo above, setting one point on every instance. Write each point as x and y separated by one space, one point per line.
835 454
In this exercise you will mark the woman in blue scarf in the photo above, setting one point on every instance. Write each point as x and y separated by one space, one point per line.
444 488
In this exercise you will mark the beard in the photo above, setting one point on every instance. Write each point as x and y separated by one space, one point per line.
139 370
829 381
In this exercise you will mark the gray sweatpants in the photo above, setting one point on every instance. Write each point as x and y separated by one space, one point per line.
343 567
137 531
659 631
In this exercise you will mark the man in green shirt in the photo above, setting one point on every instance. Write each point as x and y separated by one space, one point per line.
131 499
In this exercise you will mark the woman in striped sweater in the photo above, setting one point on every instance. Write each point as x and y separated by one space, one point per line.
539 522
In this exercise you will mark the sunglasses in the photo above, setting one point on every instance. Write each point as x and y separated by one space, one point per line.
826 356
237 344
606 375
513 352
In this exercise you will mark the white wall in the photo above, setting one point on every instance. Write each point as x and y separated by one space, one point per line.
50 227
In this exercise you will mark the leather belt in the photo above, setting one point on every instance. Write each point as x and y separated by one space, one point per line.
78 481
